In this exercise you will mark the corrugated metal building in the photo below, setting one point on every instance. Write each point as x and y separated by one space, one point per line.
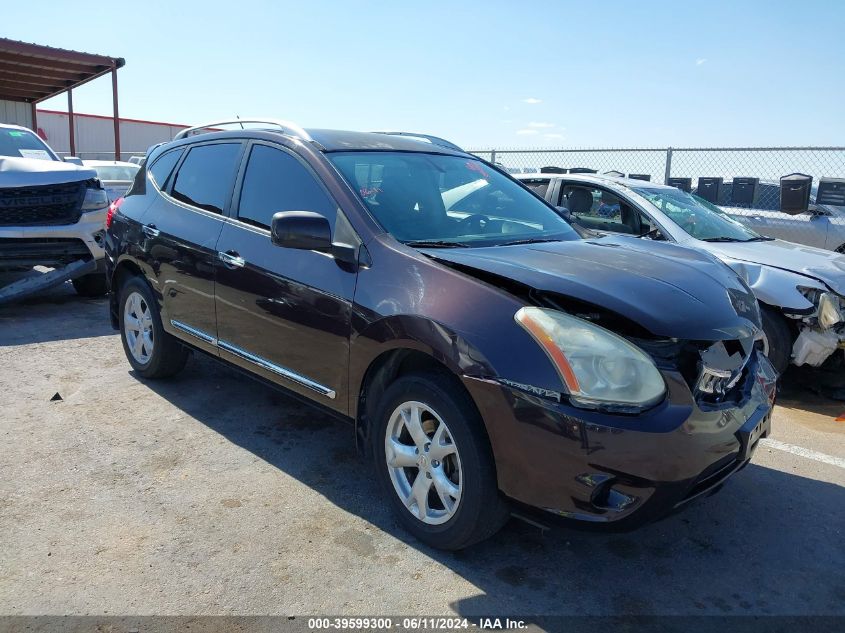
94 134
16 113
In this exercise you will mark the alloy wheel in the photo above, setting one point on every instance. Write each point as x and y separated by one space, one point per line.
138 327
423 463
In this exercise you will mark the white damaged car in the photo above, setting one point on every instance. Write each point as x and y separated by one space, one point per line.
801 289
52 212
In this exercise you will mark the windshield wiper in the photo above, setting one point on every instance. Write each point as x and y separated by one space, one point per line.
435 244
759 238
531 240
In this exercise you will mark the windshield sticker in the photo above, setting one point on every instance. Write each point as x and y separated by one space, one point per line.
476 166
367 192
40 154
13 133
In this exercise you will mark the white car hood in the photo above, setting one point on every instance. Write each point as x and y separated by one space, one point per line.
32 172
825 266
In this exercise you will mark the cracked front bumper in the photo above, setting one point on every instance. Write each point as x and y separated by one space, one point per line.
622 469
52 245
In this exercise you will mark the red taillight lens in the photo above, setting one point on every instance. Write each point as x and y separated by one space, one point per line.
113 207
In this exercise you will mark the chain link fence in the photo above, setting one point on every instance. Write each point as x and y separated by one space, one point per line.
768 164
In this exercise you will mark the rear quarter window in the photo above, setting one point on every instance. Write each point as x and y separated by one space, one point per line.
164 164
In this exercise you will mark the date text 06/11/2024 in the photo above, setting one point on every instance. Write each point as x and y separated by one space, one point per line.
415 624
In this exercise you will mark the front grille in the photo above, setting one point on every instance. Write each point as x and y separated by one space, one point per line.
41 206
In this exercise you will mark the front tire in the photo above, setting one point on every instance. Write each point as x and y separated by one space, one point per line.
433 459
778 341
152 352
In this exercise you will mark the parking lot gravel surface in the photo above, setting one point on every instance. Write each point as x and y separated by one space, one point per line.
214 494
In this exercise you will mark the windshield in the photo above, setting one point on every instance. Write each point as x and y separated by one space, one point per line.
448 200
696 216
23 144
116 172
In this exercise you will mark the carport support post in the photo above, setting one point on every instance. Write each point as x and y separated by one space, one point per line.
116 113
70 122
34 116
668 173
493 156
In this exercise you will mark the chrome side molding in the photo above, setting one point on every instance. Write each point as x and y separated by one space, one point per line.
257 360
207 338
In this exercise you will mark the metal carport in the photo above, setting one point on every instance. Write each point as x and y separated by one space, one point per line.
31 73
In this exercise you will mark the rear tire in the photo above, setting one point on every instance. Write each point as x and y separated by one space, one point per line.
778 338
93 285
152 352
452 457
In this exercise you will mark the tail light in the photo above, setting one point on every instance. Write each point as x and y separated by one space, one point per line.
113 207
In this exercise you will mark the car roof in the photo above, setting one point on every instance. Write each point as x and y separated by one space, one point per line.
331 140
596 178
345 140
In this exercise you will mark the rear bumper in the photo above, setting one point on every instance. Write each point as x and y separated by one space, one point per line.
622 470
27 246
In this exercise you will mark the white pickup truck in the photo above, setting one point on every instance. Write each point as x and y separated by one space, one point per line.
52 213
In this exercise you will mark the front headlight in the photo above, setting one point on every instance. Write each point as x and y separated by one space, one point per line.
95 199
598 367
828 304
830 312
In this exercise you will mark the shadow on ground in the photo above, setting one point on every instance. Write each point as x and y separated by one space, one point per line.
769 543
816 389
53 315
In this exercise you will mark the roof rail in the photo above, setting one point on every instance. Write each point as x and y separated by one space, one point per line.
291 128
434 140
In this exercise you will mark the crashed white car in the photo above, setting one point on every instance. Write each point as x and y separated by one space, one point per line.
115 175
52 213
801 289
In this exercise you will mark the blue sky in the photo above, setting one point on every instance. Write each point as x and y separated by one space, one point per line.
482 73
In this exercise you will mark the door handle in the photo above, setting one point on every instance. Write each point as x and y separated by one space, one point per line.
150 230
231 259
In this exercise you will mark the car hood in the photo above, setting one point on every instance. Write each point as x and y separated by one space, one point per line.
32 172
825 266
669 290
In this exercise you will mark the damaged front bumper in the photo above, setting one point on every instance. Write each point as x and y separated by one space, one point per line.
623 469
53 245
821 332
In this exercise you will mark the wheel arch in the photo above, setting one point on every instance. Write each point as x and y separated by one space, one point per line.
122 271
378 357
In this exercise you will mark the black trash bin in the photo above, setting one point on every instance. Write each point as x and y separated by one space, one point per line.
708 188
795 192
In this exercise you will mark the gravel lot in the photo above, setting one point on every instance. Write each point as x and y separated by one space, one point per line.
213 494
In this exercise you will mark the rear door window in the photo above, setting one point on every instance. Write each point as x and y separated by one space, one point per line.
538 185
276 181
204 179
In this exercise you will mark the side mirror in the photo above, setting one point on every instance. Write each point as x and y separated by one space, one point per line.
309 231
303 230
75 160
565 213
